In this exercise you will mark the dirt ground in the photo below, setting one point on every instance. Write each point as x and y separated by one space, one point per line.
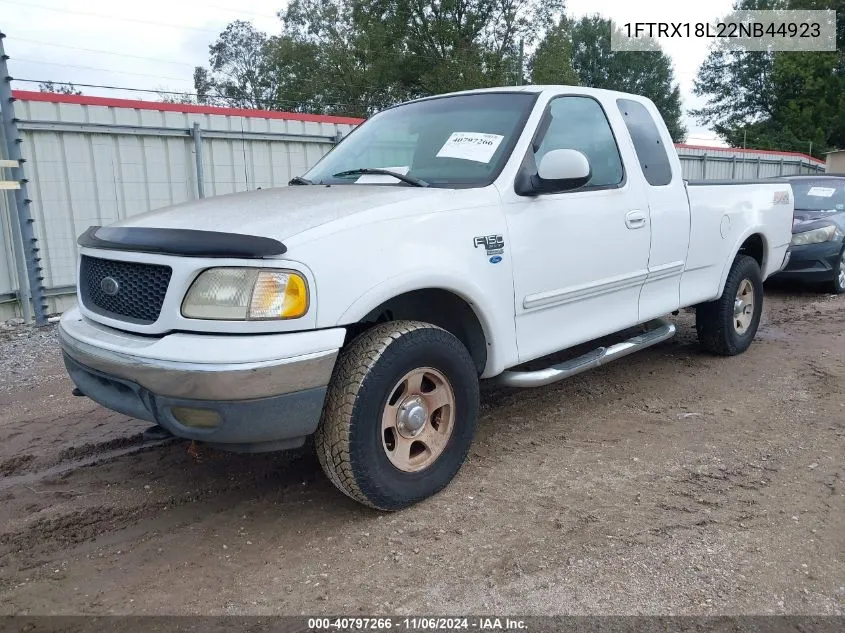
671 482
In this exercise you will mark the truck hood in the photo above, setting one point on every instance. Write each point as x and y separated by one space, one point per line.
283 212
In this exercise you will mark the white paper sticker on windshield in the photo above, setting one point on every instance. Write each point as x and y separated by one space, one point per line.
821 192
382 179
474 146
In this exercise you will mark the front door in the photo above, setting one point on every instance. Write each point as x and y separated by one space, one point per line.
579 258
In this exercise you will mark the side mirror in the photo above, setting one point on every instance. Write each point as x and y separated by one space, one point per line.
559 170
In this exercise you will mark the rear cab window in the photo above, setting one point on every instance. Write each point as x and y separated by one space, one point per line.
648 144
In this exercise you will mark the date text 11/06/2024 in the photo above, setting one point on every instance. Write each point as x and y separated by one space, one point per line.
722 29
417 624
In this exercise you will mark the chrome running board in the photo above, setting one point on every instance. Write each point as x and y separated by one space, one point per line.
660 331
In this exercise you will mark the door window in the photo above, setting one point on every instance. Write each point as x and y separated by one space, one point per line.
580 123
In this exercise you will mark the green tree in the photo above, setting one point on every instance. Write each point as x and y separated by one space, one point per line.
351 53
237 74
738 88
810 88
552 61
358 56
460 44
809 104
645 73
777 100
62 89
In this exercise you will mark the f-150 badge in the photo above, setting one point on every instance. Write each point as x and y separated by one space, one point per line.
493 244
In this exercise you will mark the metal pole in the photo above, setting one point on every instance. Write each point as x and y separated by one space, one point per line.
22 200
519 78
733 168
704 166
22 294
197 134
20 264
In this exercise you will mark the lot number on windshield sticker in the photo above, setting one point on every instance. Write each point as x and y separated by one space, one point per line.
821 192
470 146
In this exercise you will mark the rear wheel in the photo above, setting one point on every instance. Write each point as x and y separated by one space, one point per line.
837 284
727 325
399 416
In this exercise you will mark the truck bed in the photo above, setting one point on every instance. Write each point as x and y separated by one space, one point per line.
723 215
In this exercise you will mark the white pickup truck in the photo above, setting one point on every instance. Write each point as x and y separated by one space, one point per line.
445 240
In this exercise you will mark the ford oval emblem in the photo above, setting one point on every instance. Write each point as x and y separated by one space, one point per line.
109 286
495 259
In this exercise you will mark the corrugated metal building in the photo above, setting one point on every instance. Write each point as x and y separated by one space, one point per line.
718 163
93 160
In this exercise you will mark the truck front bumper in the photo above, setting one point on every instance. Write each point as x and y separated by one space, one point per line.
244 393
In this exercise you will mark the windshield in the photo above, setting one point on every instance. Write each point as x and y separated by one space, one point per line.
823 194
460 141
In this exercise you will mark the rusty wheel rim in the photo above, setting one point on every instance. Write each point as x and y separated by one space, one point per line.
418 419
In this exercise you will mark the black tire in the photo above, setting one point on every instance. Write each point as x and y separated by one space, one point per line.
349 437
714 320
836 285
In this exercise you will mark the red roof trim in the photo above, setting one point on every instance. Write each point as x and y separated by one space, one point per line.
49 97
750 151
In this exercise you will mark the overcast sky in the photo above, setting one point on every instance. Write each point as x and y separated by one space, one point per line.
156 43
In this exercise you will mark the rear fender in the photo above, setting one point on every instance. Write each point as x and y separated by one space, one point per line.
735 251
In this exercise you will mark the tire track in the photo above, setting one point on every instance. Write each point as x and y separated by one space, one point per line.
68 466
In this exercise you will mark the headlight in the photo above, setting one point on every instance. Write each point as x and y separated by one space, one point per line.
241 294
816 236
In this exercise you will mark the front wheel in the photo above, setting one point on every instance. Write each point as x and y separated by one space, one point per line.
727 325
837 284
399 416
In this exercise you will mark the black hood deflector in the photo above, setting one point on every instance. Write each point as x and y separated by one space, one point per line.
182 242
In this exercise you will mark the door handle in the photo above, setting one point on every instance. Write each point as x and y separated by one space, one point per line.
635 219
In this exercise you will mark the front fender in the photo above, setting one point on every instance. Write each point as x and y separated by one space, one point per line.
497 324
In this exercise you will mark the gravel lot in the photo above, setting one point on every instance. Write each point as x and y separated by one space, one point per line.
671 482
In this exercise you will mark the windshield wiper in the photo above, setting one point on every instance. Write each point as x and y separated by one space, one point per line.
384 172
299 180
